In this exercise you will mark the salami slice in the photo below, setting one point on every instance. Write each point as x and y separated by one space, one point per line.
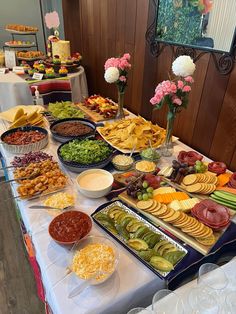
212 214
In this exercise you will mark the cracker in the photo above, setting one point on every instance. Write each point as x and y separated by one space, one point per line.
144 204
207 241
190 179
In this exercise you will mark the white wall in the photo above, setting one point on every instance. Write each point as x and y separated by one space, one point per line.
26 12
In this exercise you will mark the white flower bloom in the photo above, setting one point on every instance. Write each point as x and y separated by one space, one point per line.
112 75
183 66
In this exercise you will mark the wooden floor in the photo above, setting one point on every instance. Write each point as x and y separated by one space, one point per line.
18 293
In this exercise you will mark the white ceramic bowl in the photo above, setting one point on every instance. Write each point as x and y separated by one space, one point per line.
94 183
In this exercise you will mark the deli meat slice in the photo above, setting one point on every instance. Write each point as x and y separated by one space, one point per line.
212 214
189 157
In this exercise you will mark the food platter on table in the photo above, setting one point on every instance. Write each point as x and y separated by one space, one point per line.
89 153
99 108
31 59
19 45
36 174
66 129
154 248
136 132
21 32
70 67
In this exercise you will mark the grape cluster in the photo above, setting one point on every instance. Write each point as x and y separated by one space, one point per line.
140 189
200 167
180 170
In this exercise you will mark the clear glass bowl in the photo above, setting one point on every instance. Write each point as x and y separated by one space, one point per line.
92 240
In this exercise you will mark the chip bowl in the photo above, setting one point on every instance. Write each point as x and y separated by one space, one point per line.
78 246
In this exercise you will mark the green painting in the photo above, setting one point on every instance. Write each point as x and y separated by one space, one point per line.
179 21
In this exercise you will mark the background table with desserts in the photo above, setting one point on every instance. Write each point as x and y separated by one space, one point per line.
15 90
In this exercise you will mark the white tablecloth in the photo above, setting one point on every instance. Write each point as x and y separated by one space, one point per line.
183 292
132 284
14 90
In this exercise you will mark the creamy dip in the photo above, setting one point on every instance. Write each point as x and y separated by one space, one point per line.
94 181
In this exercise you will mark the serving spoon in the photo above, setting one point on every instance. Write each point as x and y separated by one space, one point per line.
49 207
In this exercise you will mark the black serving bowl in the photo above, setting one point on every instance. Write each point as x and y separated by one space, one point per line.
78 167
62 138
23 149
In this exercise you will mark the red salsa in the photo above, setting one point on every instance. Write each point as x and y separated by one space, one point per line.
70 226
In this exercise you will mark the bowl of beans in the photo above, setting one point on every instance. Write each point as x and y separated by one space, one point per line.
66 129
25 139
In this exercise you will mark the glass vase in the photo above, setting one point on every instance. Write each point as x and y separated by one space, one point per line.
120 111
167 146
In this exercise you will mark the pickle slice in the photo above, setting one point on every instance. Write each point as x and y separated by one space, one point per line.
161 264
134 227
159 244
123 232
146 255
113 211
138 244
147 235
151 241
164 248
141 231
174 257
102 216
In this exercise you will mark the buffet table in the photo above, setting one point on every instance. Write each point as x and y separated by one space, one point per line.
131 285
14 89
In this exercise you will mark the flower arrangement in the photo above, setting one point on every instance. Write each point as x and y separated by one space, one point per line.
175 93
116 71
204 6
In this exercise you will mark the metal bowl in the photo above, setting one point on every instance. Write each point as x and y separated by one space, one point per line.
62 138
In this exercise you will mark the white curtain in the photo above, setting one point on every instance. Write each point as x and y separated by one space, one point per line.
222 22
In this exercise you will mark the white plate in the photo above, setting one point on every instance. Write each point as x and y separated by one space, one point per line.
19 46
19 32
127 151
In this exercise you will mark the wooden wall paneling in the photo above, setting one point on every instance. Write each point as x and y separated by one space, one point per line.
163 65
232 165
129 46
212 97
71 12
149 71
225 133
139 54
187 118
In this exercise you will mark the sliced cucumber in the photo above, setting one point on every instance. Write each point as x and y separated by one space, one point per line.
223 202
226 195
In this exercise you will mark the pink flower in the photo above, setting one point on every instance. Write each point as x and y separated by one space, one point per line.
126 56
122 78
153 101
176 100
189 79
124 64
180 84
112 62
173 88
186 88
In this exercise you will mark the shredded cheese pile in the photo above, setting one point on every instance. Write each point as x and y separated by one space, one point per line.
60 200
93 260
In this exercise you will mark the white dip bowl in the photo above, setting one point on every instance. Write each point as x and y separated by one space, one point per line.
94 183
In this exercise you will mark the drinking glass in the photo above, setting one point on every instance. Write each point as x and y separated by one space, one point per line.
206 297
212 276
167 302
140 310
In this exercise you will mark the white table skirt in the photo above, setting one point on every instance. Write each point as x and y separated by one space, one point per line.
132 284
14 90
